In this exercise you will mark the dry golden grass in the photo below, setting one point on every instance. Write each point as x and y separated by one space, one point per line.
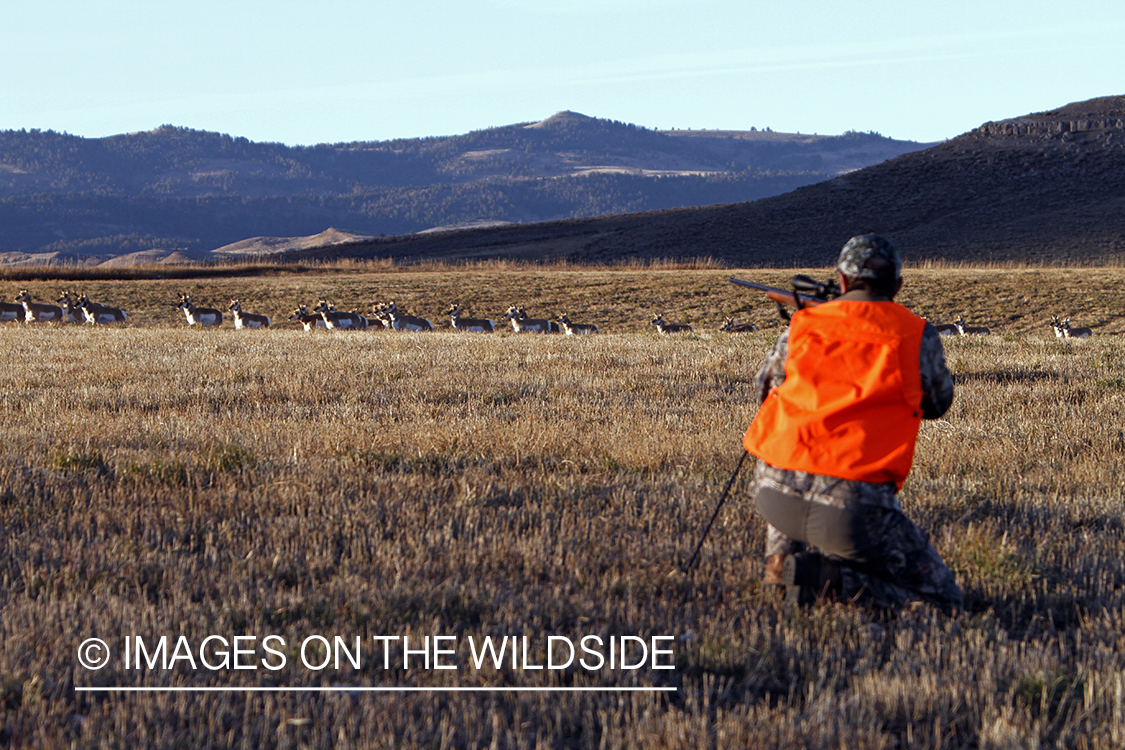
156 480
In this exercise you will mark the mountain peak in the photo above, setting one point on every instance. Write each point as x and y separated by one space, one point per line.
562 119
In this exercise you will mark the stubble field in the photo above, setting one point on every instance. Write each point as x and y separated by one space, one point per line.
158 480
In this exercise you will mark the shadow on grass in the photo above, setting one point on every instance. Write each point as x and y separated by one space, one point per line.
1015 587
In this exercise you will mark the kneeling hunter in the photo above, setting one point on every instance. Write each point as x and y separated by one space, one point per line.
843 393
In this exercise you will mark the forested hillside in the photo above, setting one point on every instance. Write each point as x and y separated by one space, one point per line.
64 197
1042 188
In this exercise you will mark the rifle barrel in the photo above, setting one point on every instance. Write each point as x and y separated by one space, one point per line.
783 296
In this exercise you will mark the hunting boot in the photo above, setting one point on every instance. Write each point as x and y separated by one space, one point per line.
774 565
808 575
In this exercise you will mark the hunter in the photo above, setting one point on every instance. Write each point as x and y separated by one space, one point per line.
843 394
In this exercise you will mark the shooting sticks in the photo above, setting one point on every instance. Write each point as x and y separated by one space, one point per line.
715 514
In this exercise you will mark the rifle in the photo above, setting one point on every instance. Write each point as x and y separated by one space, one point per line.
815 292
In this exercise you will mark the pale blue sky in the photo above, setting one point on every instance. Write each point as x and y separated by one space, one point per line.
300 72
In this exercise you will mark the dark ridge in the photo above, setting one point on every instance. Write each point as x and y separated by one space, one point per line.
1045 188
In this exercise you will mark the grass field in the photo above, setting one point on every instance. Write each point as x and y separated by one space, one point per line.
620 300
159 480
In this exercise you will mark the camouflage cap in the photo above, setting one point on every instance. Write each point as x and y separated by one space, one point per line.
871 258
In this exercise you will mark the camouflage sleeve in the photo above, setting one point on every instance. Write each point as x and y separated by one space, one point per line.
937 383
772 372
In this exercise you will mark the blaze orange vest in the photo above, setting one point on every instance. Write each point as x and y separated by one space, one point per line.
851 403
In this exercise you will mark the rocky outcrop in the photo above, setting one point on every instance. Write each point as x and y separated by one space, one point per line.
1031 128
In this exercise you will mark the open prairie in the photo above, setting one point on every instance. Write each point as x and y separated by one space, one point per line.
157 480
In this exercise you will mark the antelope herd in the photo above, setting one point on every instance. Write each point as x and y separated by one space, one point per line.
71 308
1064 331
65 310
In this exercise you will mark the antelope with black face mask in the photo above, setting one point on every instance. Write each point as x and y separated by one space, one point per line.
967 330
523 324
731 327
402 322
205 317
334 320
576 329
97 314
70 308
245 319
307 319
1075 333
666 328
36 312
471 325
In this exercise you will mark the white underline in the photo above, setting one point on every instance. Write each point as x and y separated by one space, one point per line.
374 689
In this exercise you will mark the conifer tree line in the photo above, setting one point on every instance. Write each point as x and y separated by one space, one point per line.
194 191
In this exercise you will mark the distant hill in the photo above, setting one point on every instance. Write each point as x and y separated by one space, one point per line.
1043 187
274 245
66 198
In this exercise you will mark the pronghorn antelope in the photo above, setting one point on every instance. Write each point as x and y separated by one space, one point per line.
72 312
474 325
965 330
379 313
307 319
523 324
10 311
378 318
245 319
730 327
334 319
100 314
658 321
552 325
203 316
366 322
576 329
1057 327
35 312
400 322
946 329
1076 333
